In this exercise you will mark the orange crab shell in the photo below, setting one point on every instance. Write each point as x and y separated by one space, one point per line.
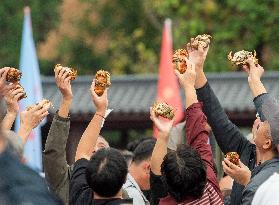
102 81
178 60
13 75
233 157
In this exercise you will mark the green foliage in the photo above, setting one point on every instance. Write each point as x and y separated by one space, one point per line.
44 15
124 36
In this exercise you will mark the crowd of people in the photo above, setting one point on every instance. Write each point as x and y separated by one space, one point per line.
154 171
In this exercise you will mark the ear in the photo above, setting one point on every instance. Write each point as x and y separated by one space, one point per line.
147 167
267 144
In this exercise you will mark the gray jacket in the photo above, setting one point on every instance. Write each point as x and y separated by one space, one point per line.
58 172
259 175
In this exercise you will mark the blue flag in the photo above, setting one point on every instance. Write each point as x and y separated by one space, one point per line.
31 82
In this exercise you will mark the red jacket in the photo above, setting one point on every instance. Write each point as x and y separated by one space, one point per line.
197 137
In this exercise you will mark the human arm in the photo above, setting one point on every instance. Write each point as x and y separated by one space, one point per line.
80 192
4 87
54 155
11 98
89 137
241 174
227 134
160 150
30 118
196 131
257 88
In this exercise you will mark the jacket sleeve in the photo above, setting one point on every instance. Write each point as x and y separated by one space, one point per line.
247 197
258 102
227 134
54 157
197 138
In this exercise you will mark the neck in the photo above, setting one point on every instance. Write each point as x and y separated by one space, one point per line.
267 156
133 171
117 196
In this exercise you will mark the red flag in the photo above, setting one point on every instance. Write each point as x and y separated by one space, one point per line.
168 87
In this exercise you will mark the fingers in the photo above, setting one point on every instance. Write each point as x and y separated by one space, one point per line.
191 42
190 65
177 73
60 74
200 48
230 164
18 95
226 168
152 114
188 47
57 71
65 74
3 72
67 79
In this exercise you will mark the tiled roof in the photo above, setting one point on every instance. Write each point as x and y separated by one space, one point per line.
135 93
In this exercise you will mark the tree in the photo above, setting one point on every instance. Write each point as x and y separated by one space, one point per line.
44 15
124 36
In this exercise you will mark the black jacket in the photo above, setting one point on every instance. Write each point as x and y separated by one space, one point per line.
227 134
21 185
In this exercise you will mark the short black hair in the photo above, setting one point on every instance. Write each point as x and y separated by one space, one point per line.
131 146
184 173
144 150
106 172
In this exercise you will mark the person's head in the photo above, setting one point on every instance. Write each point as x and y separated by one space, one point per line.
106 172
128 156
131 146
184 173
101 143
140 166
262 135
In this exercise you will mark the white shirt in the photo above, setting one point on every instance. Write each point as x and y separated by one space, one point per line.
267 193
134 191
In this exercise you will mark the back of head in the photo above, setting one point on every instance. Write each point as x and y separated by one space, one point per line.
106 172
184 173
133 144
144 150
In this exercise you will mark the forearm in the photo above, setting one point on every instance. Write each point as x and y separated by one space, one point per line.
64 108
8 120
54 155
88 140
257 87
201 79
227 134
158 154
24 133
191 96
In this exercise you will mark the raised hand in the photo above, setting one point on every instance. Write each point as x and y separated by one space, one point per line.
101 102
189 77
164 126
4 88
12 98
197 56
254 71
63 82
30 118
240 173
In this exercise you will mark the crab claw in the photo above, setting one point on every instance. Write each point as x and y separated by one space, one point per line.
230 56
